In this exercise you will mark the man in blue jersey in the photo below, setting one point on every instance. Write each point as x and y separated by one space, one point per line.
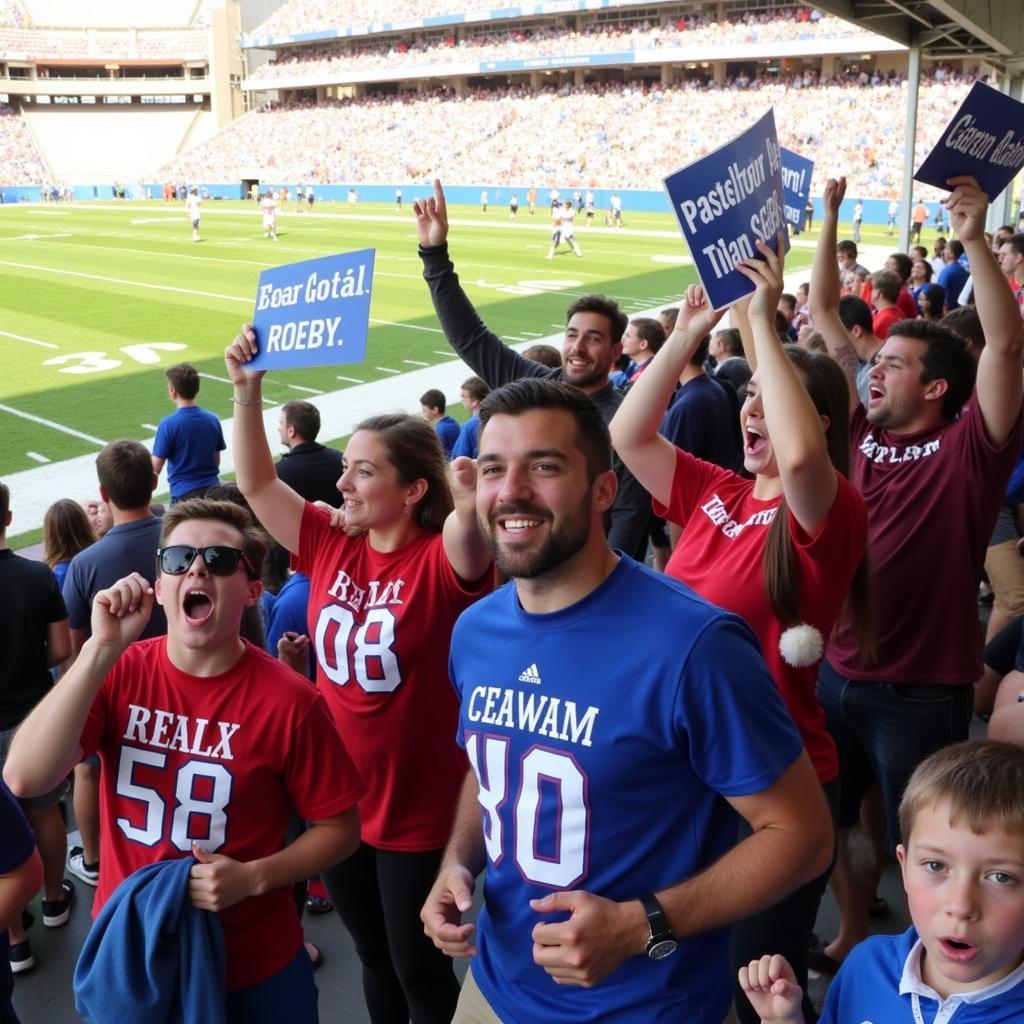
605 778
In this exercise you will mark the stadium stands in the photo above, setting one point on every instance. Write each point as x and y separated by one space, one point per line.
108 14
335 59
611 135
128 44
19 158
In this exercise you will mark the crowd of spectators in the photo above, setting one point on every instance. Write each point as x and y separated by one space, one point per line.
20 162
12 13
608 135
336 58
21 43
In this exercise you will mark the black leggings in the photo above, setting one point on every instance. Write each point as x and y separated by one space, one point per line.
783 928
378 894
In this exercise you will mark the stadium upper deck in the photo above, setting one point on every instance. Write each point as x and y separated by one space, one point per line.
485 49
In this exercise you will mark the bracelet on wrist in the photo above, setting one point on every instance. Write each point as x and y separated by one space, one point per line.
238 401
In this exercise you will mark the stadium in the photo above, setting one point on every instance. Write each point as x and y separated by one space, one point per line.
343 113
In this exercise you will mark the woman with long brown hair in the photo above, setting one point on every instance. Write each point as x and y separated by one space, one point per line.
384 595
782 547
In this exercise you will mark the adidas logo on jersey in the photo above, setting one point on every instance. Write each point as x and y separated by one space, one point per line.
530 675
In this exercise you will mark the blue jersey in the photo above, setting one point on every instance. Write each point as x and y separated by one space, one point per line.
189 440
880 982
447 429
468 441
602 766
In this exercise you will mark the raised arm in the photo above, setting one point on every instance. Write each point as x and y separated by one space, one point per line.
634 429
488 356
1000 383
48 744
276 505
823 298
464 542
798 437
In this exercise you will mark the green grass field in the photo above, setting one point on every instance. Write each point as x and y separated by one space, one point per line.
96 300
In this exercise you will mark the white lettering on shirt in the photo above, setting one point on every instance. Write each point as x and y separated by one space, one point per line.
532 712
375 594
893 454
715 510
154 729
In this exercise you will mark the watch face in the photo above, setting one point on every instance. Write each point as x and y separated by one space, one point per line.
662 948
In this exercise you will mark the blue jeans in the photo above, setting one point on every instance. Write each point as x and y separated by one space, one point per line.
884 731
290 995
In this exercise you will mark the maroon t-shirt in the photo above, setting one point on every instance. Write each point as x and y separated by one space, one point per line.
932 499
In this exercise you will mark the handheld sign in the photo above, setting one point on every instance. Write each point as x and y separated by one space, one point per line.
725 202
985 138
313 313
796 187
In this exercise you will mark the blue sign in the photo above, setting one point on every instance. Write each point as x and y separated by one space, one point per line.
985 138
796 187
313 313
725 202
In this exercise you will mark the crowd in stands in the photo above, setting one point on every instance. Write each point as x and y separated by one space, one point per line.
808 643
128 44
518 44
602 135
12 13
20 162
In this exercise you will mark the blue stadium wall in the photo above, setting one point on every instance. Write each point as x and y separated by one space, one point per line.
633 200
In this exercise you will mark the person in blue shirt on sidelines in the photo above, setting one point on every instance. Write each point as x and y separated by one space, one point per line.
605 781
433 405
190 440
473 392
962 821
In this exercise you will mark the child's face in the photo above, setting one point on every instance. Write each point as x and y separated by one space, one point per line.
966 896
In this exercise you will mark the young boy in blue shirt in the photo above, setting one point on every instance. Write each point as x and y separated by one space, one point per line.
962 821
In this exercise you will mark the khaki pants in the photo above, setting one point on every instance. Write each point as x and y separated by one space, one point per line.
473 1008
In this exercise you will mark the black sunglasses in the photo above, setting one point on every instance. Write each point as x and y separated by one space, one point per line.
219 558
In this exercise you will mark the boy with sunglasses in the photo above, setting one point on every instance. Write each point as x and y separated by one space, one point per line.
207 744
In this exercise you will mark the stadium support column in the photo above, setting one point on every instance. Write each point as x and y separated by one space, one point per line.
458 84
913 85
1001 211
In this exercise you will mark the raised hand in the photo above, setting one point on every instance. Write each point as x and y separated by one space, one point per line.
120 613
766 274
432 217
696 318
835 192
771 987
240 352
462 479
967 206
293 651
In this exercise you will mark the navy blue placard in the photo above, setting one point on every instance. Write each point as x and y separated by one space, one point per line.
725 202
796 187
985 138
313 313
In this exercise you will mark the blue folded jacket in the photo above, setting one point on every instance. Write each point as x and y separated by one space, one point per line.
151 957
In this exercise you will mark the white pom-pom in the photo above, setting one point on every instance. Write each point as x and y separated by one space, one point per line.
801 645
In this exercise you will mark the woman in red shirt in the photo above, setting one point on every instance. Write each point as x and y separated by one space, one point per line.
384 595
781 549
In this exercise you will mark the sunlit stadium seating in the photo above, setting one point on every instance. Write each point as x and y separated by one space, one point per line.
20 162
108 13
612 135
337 58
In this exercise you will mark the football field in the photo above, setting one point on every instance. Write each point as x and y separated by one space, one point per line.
97 300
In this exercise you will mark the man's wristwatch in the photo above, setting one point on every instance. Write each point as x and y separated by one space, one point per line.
661 943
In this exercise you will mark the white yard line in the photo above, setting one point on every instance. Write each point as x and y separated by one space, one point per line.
31 341
52 425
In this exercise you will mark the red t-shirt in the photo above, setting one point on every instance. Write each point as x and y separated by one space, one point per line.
381 625
884 319
719 554
221 760
904 303
932 501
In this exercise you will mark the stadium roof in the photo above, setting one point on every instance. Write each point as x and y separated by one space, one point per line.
989 29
